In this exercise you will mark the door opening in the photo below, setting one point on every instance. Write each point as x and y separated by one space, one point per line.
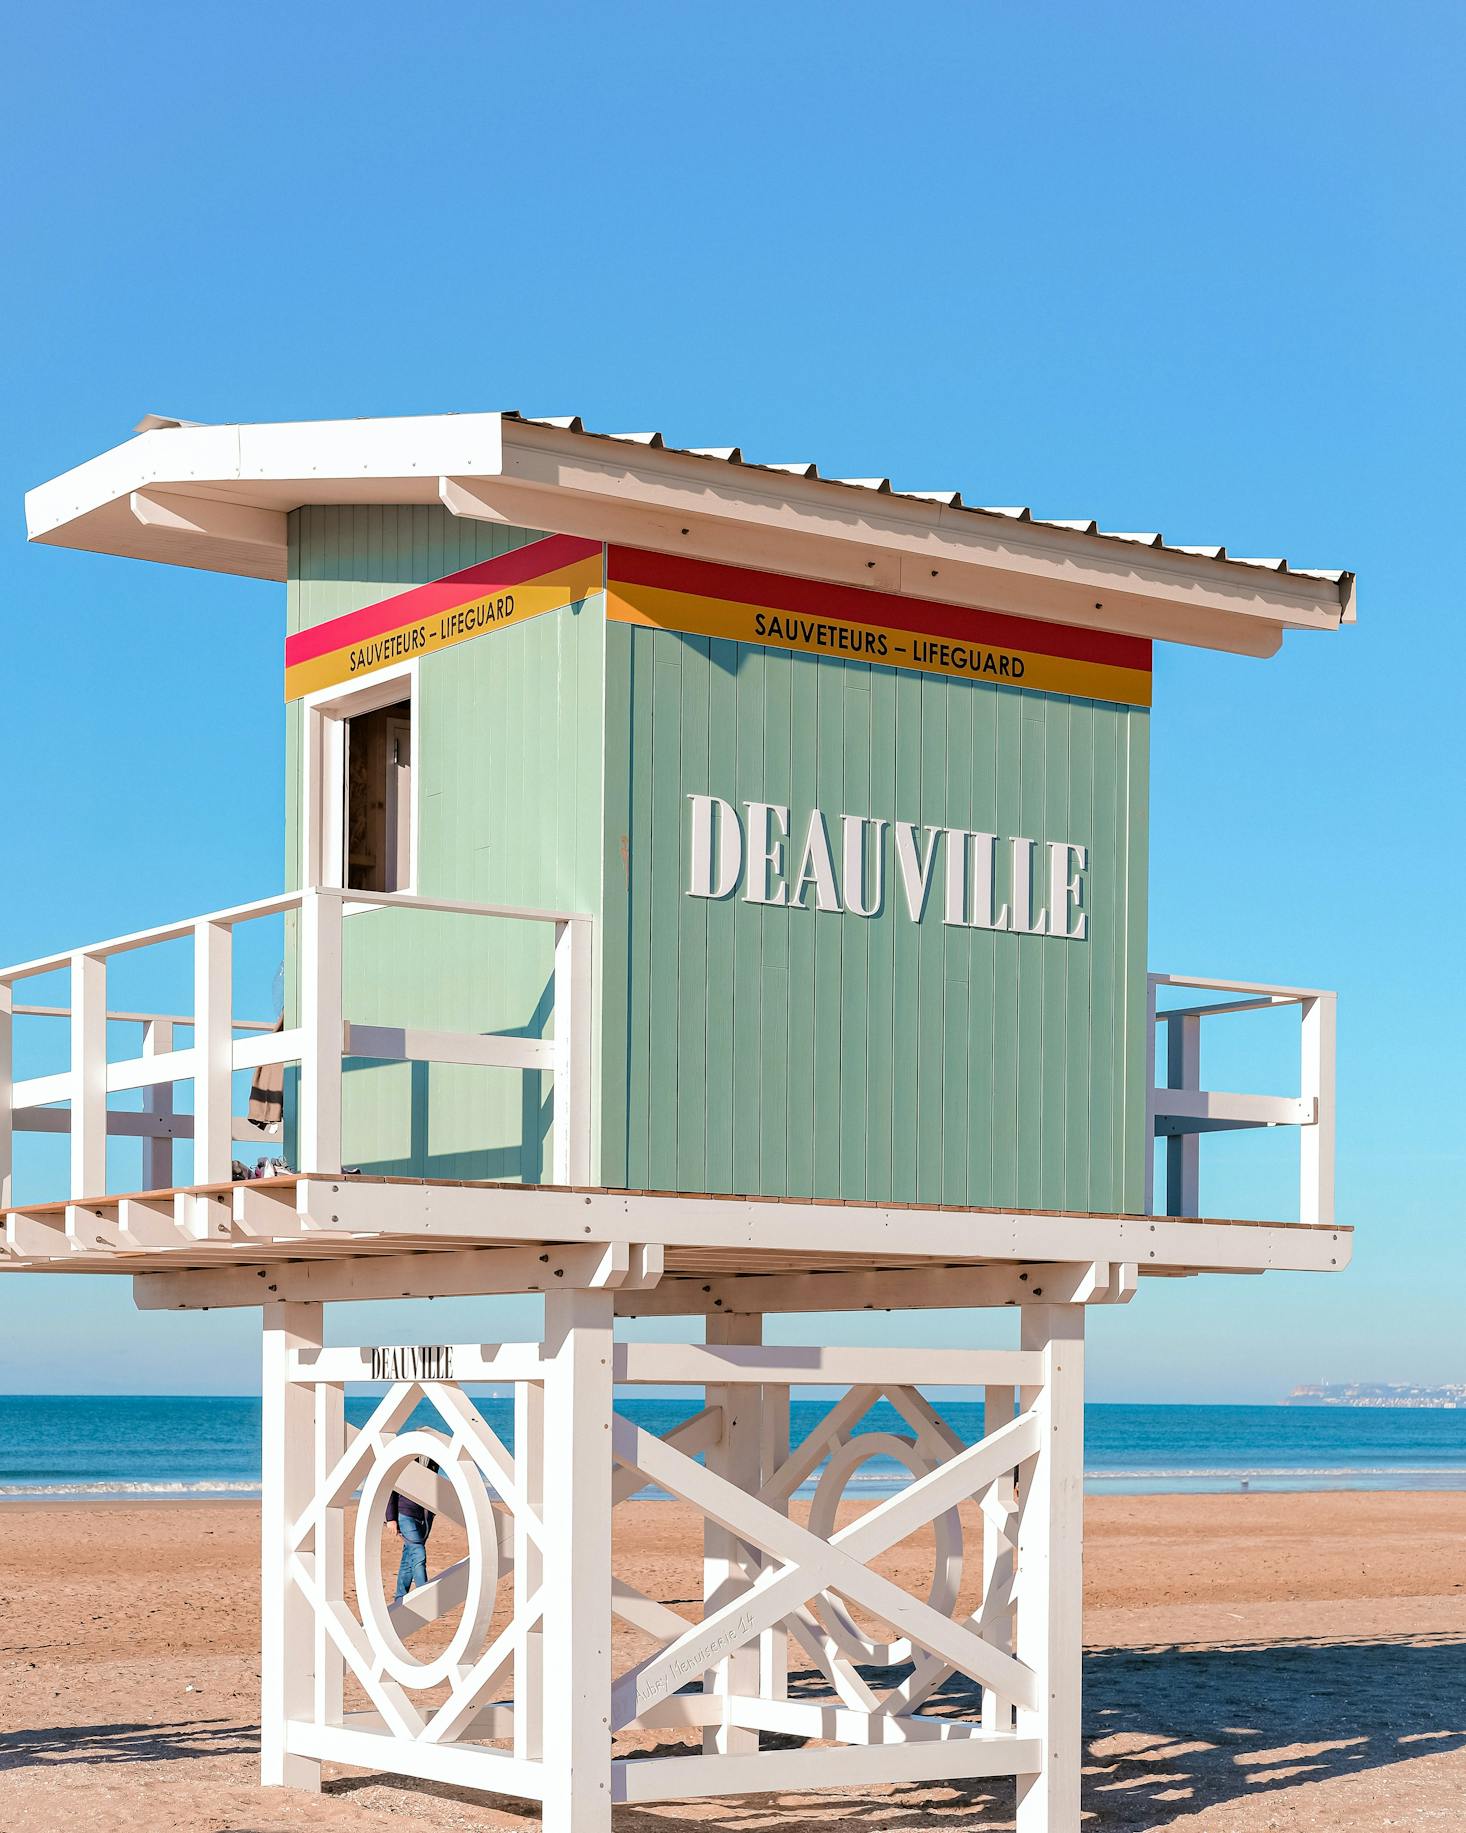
377 813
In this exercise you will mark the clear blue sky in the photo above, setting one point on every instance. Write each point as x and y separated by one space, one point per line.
1190 268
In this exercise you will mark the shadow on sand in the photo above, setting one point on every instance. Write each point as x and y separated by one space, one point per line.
1169 1730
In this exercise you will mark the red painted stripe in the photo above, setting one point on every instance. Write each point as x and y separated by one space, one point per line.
856 605
525 563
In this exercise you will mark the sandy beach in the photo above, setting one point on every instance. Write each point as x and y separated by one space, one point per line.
1254 1662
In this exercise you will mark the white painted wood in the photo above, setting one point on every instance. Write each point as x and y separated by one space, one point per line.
88 1075
213 1004
519 1213
399 1044
273 1047
529 1573
176 512
729 1566
1317 1143
999 1562
288 1452
572 1052
447 1274
577 1553
699 1364
329 1447
1051 1571
886 1289
841 1766
494 1362
321 1029
773 1642
157 1171
810 1564
480 1767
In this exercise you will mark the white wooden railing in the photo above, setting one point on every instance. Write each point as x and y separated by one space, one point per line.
1181 1110
318 1042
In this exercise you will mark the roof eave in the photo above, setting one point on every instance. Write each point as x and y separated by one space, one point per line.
217 497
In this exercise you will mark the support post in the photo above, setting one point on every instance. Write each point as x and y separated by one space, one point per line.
529 1571
577 1569
1183 1150
729 1567
999 1506
773 1644
158 1105
88 1076
1050 1570
330 1552
1316 1142
287 1470
213 1049
319 1146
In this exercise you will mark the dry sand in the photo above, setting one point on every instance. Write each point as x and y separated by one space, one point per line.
1254 1662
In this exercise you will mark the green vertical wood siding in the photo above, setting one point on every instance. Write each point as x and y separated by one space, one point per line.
508 801
787 1051
738 1047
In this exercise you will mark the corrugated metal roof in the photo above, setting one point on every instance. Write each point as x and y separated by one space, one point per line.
948 499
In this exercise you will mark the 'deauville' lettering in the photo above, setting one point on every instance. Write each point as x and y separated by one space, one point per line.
1022 886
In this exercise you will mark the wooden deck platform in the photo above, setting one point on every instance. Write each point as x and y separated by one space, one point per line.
358 1237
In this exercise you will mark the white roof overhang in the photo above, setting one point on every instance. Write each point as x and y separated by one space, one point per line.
217 497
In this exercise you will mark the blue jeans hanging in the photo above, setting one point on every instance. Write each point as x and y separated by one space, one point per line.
413 1570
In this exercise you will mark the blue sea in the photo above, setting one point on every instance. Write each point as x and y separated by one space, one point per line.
167 1445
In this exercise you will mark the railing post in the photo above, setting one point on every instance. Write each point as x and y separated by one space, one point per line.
158 1106
318 1147
572 1052
1316 1142
1183 1150
88 1075
213 1053
287 1467
998 1507
577 1562
7 1077
1050 1570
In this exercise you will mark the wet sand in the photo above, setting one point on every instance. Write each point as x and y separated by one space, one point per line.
1254 1663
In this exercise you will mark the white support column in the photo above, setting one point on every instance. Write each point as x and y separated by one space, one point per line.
999 1504
577 1588
728 1567
7 1075
1316 1142
287 1470
572 1076
1051 1571
213 1043
773 1644
157 1170
319 1145
529 1568
1183 1150
88 1076
330 1552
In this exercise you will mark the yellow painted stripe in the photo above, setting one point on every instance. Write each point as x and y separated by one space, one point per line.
489 611
657 608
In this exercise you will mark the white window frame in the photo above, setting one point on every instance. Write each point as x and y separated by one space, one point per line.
323 748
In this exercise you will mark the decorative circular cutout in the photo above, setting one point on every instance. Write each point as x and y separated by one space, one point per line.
847 1634
482 1561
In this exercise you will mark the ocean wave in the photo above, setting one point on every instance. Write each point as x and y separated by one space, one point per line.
121 1487
1275 1470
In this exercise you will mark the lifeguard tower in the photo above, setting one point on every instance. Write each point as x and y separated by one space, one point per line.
712 890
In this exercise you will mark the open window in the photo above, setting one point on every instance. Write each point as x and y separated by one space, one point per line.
360 806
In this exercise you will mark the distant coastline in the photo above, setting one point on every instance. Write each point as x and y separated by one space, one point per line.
1377 1394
